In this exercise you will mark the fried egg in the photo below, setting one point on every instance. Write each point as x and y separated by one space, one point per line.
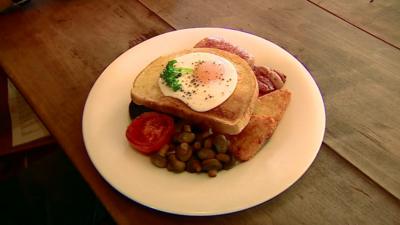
211 81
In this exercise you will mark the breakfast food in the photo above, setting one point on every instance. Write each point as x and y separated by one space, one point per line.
150 131
268 112
229 117
273 104
210 108
206 82
220 43
195 150
268 79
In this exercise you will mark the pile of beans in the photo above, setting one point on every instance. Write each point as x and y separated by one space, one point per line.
195 152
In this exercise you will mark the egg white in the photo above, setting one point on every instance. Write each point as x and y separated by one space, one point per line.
199 96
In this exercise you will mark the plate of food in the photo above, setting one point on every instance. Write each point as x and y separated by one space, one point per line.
203 121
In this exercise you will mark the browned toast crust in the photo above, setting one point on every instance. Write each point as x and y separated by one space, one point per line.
229 118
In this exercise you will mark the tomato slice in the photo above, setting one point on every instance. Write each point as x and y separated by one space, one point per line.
150 131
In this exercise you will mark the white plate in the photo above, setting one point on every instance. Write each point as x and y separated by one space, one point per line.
281 162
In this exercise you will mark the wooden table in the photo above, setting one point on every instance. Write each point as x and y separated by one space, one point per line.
54 50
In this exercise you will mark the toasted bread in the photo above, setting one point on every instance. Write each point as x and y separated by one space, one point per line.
268 112
229 118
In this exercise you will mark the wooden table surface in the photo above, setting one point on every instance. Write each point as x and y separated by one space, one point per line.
54 50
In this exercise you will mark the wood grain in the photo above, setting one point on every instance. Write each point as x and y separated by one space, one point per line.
356 73
332 191
5 119
6 147
319 198
380 18
54 50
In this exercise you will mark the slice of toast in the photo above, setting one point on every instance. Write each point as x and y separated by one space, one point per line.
228 118
268 112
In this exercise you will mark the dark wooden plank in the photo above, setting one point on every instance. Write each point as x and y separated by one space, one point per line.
4 4
332 191
380 18
6 146
32 145
54 50
357 73
5 120
64 52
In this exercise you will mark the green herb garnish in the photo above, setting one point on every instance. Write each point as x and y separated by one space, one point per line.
171 74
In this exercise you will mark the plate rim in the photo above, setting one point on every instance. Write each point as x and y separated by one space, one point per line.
221 212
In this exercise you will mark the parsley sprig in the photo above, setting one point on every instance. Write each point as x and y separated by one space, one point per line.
171 74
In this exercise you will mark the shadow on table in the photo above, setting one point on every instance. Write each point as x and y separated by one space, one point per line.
43 187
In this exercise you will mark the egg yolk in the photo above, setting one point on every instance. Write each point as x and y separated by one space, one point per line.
208 71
